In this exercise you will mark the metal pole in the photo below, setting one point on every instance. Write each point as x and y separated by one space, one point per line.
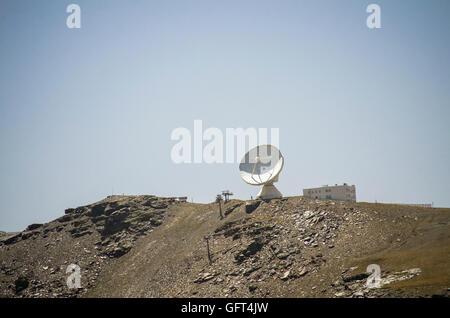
218 200
207 247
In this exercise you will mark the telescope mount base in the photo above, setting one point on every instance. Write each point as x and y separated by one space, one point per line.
269 191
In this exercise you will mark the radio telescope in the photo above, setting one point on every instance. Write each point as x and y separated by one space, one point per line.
261 165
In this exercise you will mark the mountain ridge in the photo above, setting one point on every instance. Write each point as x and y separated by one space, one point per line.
148 246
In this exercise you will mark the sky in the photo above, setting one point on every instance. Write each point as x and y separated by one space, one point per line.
89 112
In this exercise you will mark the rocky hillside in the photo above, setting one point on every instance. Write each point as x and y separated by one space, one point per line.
146 246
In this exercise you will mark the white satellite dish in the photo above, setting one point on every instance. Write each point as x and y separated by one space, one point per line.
261 165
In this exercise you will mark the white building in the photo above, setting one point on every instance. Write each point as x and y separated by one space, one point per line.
343 192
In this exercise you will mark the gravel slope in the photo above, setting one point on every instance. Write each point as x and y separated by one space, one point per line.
144 246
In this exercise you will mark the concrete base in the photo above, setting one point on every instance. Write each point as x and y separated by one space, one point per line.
269 191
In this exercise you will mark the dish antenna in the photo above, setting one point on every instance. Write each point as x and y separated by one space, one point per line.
261 165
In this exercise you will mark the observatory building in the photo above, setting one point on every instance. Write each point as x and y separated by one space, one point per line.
343 192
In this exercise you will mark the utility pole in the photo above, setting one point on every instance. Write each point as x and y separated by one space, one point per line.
206 237
227 194
219 200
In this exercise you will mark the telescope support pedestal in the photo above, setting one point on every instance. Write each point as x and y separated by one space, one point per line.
269 191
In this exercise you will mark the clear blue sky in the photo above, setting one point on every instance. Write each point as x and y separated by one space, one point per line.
88 112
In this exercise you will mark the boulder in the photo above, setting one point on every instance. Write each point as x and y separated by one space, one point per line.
65 218
251 249
121 249
12 239
251 206
21 283
350 278
69 211
308 214
33 226
98 209
286 274
230 209
158 205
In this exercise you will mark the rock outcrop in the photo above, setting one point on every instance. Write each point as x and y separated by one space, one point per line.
147 246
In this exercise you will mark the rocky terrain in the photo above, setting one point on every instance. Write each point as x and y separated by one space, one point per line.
147 246
89 236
